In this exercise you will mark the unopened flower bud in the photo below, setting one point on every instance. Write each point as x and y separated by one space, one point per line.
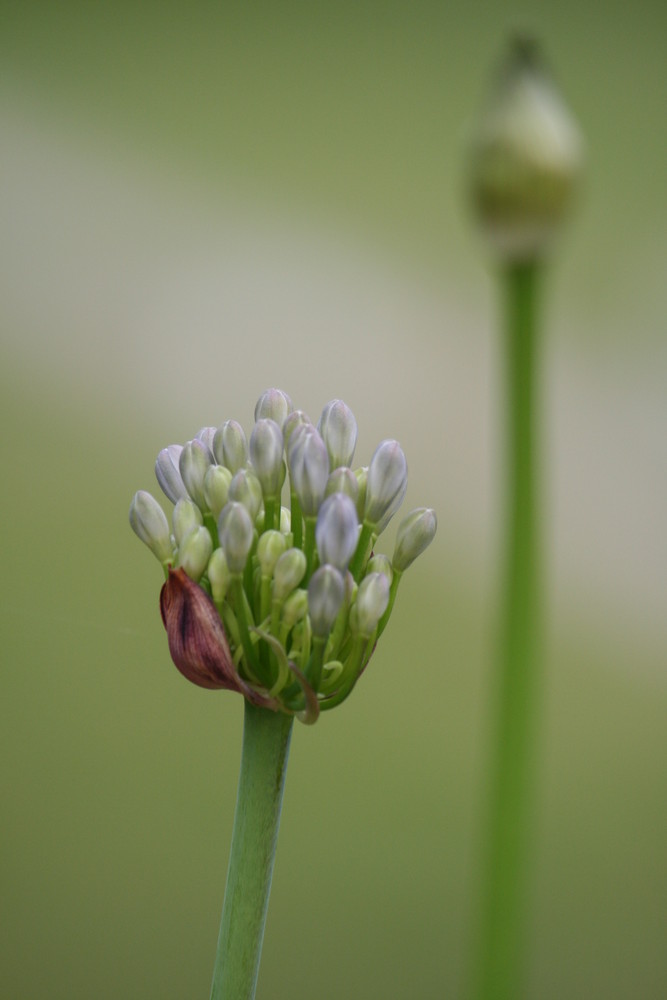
295 608
337 530
206 435
288 573
216 488
246 489
297 418
339 432
185 519
274 404
525 158
195 552
194 463
415 533
386 484
218 575
361 475
309 468
266 454
230 446
370 605
343 480
381 563
270 547
149 522
325 597
236 533
285 520
168 474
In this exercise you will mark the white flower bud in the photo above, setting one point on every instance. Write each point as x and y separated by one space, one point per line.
274 404
185 519
270 547
236 533
386 483
337 530
266 454
167 472
230 446
297 418
294 609
194 554
246 489
285 520
339 432
343 480
288 573
206 435
216 488
150 524
193 464
325 597
218 575
370 605
381 564
415 533
309 468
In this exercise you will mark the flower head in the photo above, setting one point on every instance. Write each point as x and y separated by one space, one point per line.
284 605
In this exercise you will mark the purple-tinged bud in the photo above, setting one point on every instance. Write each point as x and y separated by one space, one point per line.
386 484
339 432
195 552
150 524
236 533
381 564
337 530
370 605
230 446
245 488
266 454
325 597
294 609
218 575
194 463
343 480
415 533
297 418
167 473
216 488
288 574
309 468
270 547
197 640
206 435
185 519
274 404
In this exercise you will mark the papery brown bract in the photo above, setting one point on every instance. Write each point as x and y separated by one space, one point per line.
197 640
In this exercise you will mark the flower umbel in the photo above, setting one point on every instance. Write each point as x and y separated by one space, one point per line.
258 597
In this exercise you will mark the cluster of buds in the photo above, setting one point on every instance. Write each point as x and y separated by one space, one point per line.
282 603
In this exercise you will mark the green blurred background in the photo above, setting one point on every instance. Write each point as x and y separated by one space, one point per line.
203 200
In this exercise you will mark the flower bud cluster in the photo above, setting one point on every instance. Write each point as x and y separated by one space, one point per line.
273 587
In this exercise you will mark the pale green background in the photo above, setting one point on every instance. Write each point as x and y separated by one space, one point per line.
199 201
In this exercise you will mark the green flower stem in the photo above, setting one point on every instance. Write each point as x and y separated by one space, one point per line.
266 741
501 959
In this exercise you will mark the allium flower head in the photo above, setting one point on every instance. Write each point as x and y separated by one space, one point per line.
283 604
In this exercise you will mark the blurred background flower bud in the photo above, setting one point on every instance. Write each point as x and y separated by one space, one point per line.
288 573
337 530
386 484
216 488
194 463
168 474
195 552
266 454
185 519
230 446
526 157
370 605
245 488
295 608
325 597
338 429
150 524
236 533
361 475
308 462
274 404
415 533
380 563
206 435
343 480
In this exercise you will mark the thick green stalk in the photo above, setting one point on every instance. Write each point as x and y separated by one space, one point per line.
502 956
266 740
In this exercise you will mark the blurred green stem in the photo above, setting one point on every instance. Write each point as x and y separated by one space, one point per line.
266 741
502 957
